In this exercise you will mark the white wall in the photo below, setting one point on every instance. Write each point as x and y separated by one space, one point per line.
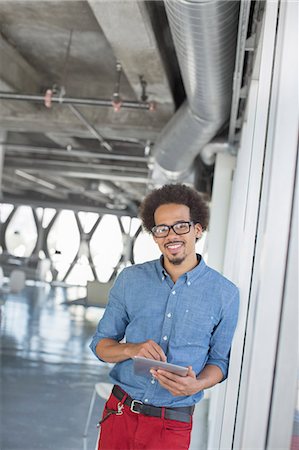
258 239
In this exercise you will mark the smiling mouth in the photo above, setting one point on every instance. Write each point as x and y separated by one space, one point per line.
173 247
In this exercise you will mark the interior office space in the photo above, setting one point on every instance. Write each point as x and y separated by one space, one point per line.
101 102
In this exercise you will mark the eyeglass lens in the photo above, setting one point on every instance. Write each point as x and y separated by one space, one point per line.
178 228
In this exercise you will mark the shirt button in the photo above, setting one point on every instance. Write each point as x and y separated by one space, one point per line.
164 338
169 315
163 278
173 292
188 283
146 400
153 381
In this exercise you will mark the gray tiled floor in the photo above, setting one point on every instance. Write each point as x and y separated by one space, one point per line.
47 372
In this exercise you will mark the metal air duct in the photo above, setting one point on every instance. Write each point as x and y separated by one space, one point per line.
205 35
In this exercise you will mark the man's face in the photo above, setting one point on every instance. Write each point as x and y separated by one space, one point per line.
176 248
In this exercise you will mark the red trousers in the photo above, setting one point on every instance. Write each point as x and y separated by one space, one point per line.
131 431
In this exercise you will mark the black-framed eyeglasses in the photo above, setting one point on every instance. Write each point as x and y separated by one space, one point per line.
161 231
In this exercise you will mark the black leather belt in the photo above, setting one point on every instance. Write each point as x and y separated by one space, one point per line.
182 414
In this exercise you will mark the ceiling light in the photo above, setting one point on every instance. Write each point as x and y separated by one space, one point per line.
29 177
118 206
105 188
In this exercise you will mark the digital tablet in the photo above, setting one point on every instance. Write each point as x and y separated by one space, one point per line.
142 366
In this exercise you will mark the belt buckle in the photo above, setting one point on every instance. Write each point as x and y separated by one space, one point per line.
133 404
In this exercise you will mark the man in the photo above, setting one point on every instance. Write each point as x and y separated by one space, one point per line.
175 309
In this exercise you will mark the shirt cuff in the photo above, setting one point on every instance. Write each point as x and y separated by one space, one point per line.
222 366
93 345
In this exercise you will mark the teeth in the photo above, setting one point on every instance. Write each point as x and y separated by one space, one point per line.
174 245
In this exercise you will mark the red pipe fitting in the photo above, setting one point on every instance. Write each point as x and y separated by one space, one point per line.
48 98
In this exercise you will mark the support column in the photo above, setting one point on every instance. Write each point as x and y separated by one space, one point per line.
222 185
3 135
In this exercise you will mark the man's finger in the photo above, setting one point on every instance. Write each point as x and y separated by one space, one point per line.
160 353
154 351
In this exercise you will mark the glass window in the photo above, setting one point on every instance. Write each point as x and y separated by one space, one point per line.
80 274
21 233
201 245
63 242
135 225
87 220
145 248
130 224
5 210
106 246
39 213
126 223
48 216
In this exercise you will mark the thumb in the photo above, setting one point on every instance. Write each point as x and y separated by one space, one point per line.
190 372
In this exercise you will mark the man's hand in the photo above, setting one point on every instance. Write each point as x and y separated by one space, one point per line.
176 384
190 384
148 349
113 351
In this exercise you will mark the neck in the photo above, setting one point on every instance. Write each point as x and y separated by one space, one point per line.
175 271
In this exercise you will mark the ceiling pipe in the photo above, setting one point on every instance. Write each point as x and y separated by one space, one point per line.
13 148
90 127
205 35
209 151
150 106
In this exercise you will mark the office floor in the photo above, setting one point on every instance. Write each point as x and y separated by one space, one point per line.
47 371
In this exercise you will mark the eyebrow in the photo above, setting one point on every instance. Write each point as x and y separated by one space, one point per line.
178 221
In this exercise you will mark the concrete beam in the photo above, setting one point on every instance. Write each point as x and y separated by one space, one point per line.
15 73
3 138
136 124
73 205
62 140
127 27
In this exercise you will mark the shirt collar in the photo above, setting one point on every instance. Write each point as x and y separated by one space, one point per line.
190 276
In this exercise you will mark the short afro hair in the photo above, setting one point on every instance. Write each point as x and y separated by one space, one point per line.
174 193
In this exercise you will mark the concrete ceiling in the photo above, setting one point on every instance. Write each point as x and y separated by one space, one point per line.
74 154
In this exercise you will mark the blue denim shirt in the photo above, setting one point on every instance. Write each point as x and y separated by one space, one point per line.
193 320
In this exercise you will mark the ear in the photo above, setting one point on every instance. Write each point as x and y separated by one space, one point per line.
155 239
198 230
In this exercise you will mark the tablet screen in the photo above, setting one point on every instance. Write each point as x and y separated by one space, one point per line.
142 366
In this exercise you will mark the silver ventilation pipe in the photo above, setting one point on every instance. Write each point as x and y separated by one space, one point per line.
209 151
205 35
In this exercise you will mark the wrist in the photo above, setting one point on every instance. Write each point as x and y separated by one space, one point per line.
200 384
128 350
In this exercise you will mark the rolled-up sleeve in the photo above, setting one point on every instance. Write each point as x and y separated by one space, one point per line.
115 319
222 336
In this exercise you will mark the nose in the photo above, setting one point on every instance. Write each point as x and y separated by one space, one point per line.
171 232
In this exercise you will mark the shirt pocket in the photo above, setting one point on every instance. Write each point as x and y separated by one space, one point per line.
195 327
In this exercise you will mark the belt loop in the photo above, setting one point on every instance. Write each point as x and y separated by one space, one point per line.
163 412
117 391
123 399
